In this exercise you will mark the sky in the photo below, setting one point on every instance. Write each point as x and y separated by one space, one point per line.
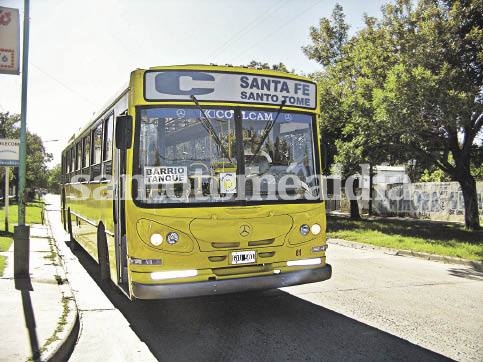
81 52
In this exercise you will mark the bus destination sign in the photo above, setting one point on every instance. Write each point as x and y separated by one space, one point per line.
228 87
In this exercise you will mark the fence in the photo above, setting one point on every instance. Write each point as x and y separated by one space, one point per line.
428 200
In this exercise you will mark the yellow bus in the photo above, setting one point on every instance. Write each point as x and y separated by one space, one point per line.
199 180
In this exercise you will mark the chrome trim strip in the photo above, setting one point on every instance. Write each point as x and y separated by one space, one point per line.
183 290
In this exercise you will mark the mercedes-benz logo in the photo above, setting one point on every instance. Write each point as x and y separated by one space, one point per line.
181 113
245 230
288 117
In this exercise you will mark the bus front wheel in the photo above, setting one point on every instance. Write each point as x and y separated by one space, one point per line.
72 242
102 252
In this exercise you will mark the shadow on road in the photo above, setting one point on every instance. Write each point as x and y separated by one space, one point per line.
264 326
467 273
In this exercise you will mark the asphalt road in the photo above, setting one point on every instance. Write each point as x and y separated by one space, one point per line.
376 307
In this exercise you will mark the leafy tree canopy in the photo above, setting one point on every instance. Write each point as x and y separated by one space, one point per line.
36 156
408 85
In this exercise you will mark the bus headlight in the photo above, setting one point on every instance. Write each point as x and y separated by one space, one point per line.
304 229
172 238
156 239
315 229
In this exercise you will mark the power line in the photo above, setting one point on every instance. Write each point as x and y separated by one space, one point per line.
249 27
84 98
276 30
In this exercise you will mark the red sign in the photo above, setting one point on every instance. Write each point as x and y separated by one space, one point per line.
9 40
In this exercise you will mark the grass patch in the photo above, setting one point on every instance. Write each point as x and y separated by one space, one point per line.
448 239
5 240
33 215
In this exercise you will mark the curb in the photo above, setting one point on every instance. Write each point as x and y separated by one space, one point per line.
477 265
65 339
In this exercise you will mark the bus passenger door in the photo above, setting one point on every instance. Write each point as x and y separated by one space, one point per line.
122 123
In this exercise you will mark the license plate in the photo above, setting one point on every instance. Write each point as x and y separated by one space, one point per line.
243 257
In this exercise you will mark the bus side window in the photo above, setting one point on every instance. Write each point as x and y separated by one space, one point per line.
72 162
78 156
67 167
107 147
96 153
86 141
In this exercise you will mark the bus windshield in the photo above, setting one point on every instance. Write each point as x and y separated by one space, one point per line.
185 155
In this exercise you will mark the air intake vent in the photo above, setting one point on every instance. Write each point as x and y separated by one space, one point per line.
217 258
267 254
261 242
225 245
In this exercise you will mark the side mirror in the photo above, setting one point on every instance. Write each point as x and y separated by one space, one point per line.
123 132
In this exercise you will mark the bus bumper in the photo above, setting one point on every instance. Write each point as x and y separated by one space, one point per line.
225 286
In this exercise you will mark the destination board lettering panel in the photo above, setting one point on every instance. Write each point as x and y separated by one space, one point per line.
228 87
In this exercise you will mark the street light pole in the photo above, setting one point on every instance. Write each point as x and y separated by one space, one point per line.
21 234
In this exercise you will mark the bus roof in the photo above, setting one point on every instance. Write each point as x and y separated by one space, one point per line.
207 68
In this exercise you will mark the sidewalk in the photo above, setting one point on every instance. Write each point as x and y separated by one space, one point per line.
38 316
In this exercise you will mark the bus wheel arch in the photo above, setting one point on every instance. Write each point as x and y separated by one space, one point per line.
72 242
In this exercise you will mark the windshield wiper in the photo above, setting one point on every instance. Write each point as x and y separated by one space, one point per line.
205 122
266 132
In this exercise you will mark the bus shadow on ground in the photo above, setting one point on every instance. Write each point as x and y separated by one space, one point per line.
263 326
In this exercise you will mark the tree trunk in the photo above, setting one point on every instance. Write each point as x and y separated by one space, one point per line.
371 180
355 215
468 187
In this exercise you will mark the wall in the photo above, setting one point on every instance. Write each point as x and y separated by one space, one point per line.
433 200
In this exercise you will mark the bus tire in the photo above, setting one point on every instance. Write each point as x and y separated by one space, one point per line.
72 242
102 253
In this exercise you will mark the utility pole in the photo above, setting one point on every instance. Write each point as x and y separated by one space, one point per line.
21 235
371 185
6 195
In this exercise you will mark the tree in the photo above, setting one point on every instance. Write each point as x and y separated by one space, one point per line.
54 179
36 156
410 86
433 94
346 86
36 162
259 65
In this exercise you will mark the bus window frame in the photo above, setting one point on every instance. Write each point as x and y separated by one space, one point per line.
94 165
107 156
78 155
85 161
136 167
72 160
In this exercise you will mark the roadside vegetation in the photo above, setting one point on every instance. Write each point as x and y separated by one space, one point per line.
434 237
406 87
33 215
